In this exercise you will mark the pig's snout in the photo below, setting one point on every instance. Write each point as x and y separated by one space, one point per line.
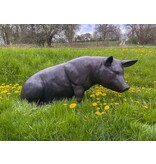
119 89
125 88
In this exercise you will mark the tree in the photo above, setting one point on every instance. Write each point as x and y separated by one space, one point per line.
141 33
17 33
49 32
70 31
5 32
84 37
107 32
37 33
30 33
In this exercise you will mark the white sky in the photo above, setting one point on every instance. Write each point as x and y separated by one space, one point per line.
89 28
86 28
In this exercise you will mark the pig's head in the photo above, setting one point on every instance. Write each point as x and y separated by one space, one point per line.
112 73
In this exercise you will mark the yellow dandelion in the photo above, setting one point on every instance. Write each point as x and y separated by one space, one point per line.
146 107
104 94
73 105
19 87
16 92
16 84
8 93
102 112
98 93
99 113
4 91
97 108
97 99
94 104
7 86
106 107
92 95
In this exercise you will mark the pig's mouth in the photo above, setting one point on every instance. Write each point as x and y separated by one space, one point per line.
119 89
125 89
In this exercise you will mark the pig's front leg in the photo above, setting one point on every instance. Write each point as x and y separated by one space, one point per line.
78 92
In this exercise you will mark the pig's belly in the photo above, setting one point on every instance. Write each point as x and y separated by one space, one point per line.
57 93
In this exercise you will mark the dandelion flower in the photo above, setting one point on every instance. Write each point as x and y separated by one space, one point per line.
97 99
73 105
97 108
4 91
99 113
92 95
94 104
106 107
16 84
7 86
146 107
104 94
19 87
98 93
16 92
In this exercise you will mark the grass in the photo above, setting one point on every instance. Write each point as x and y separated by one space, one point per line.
119 117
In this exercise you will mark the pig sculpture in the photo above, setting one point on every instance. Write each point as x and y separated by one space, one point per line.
74 77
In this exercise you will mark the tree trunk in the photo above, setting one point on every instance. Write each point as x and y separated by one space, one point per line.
49 40
7 41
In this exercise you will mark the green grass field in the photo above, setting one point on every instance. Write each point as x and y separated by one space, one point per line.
103 115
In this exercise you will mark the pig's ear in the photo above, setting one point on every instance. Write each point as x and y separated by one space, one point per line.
127 63
109 61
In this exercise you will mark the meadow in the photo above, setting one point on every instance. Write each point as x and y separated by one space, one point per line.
104 115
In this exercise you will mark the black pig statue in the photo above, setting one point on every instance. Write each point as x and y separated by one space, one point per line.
74 77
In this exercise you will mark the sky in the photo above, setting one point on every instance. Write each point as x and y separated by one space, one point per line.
89 28
86 28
